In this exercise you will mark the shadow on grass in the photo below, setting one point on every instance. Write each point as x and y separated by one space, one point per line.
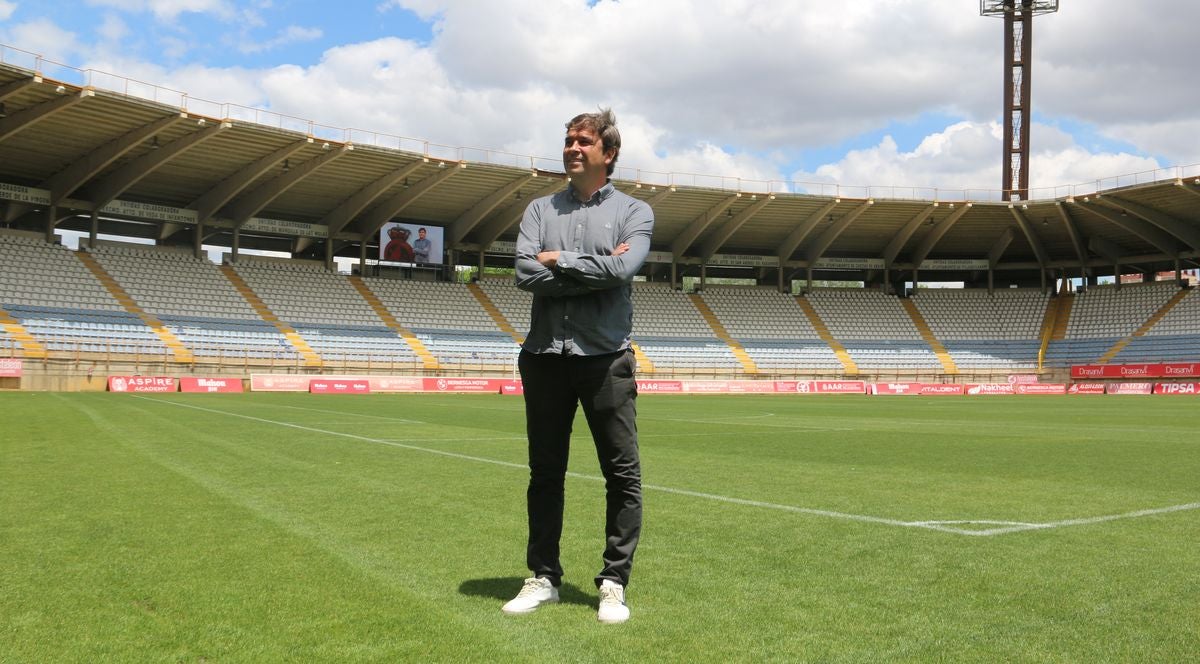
506 587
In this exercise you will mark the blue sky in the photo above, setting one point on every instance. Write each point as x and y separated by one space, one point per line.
881 92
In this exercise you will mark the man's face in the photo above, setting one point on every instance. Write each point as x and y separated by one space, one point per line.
421 233
583 153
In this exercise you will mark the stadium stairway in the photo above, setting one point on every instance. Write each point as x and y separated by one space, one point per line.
310 356
181 352
719 330
494 311
948 365
848 364
1054 323
1141 331
418 348
17 332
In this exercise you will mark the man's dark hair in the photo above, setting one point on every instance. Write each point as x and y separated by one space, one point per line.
604 123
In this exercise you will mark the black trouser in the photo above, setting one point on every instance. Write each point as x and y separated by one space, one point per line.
604 385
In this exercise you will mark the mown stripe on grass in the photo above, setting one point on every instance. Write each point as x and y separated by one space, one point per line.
1007 527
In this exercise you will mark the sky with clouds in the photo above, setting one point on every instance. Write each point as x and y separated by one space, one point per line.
869 92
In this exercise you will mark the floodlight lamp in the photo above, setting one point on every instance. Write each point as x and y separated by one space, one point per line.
325 145
3 110
61 89
154 143
287 165
441 164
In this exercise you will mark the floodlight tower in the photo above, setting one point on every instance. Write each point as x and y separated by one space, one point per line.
1018 60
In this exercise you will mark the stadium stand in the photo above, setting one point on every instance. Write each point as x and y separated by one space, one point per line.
874 328
448 320
50 292
1103 316
324 308
771 327
53 295
194 300
982 330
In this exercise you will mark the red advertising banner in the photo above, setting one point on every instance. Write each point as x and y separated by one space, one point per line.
1086 388
1181 370
1130 388
141 384
193 384
10 367
1162 370
491 385
660 386
396 383
989 389
896 388
337 386
515 387
729 386
1040 388
821 386
278 383
941 390
1177 388
1022 378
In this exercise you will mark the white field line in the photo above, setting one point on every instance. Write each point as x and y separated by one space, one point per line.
1006 527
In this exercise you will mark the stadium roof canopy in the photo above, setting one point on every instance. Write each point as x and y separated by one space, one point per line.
143 161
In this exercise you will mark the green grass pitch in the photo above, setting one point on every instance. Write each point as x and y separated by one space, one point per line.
290 527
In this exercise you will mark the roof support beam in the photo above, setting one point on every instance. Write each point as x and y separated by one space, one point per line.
1035 242
392 206
25 118
900 239
13 87
999 247
242 209
1181 231
468 220
64 183
935 235
827 237
793 240
511 215
695 227
1105 249
340 216
1191 188
1077 239
730 227
1163 241
207 204
104 190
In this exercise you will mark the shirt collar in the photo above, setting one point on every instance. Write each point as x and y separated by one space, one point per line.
602 193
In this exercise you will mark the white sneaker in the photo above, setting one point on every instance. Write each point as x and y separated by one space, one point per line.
612 603
536 592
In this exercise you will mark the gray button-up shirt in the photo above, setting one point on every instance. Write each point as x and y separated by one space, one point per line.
583 306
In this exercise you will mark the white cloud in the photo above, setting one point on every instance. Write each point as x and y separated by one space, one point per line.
169 10
7 9
967 156
289 35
